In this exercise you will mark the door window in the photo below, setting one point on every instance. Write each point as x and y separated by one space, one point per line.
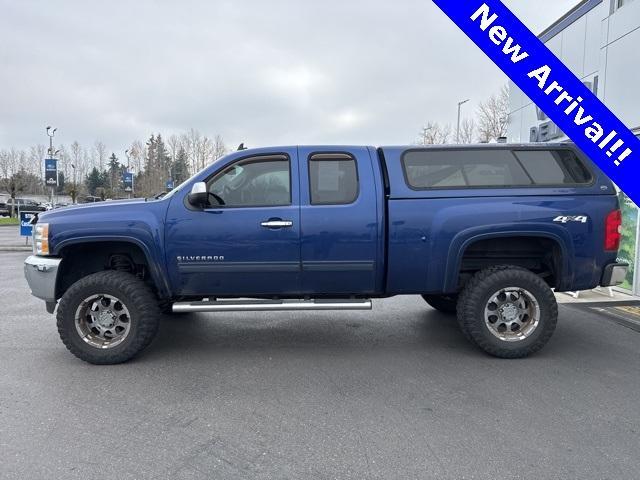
253 182
333 179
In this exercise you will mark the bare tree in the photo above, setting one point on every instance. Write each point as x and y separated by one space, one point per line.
434 134
194 141
63 156
13 167
173 144
101 154
36 158
137 152
219 148
205 153
76 159
5 164
21 170
493 115
468 131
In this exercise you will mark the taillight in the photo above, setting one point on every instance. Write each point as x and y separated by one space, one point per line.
612 230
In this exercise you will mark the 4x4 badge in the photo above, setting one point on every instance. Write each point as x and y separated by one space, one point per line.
566 219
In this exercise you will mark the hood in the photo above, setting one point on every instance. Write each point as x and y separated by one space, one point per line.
94 208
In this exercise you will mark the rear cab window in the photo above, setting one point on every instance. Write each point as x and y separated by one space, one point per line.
333 179
492 168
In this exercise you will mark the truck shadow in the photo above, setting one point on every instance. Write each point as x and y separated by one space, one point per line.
339 331
417 330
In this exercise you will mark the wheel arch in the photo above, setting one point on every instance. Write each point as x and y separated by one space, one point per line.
93 251
464 240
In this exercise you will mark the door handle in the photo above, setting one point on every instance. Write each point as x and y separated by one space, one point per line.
277 224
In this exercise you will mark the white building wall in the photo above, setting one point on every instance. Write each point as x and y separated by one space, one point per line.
621 54
598 44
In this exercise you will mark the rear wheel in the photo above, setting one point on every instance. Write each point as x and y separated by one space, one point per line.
108 317
507 311
443 303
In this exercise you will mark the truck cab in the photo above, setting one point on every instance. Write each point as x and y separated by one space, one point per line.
284 222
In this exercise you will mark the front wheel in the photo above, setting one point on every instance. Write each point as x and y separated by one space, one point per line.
108 317
507 311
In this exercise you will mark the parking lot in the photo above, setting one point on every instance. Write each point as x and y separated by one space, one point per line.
393 393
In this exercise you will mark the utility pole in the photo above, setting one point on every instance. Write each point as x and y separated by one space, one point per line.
458 127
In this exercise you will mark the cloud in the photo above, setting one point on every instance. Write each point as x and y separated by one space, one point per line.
260 72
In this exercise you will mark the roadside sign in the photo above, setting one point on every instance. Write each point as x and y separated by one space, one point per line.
51 172
26 229
169 184
127 180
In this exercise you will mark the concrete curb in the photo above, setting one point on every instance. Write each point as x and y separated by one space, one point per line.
15 248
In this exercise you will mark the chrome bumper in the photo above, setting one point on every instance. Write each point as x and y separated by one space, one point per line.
614 274
41 274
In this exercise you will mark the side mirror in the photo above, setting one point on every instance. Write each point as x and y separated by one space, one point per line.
199 195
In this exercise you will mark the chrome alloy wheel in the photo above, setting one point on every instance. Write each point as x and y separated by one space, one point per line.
103 321
512 314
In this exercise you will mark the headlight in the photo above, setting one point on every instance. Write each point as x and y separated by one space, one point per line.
41 239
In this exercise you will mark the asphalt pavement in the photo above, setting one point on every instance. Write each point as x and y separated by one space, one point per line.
396 393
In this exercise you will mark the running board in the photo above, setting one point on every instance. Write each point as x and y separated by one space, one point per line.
269 305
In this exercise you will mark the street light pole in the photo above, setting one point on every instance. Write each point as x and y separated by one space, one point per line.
425 129
458 127
51 133
75 192
126 154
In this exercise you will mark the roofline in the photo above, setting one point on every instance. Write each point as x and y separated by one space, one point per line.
573 15
480 146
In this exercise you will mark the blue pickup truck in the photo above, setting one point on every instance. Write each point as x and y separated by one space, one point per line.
484 232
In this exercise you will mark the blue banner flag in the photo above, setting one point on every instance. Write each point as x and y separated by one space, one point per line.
51 172
127 180
552 87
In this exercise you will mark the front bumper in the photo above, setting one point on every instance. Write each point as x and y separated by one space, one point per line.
42 274
614 274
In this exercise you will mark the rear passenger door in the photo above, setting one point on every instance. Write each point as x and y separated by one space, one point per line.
339 221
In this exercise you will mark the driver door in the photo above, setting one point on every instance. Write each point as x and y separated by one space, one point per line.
246 242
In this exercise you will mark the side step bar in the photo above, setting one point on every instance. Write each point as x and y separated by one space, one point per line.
270 305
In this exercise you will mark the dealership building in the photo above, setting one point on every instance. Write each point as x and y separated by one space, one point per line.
599 40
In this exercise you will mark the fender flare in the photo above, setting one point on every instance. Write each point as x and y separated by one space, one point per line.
154 262
464 239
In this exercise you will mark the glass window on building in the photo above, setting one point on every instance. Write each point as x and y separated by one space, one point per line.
628 244
615 4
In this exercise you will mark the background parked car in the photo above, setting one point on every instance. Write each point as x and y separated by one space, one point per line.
22 204
90 199
3 207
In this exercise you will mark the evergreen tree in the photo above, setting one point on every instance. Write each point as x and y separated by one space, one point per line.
115 174
157 166
94 181
61 181
180 168
163 161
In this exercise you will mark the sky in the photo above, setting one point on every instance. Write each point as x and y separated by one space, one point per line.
258 72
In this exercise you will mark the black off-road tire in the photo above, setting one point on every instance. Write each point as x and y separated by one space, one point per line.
443 303
134 293
477 293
